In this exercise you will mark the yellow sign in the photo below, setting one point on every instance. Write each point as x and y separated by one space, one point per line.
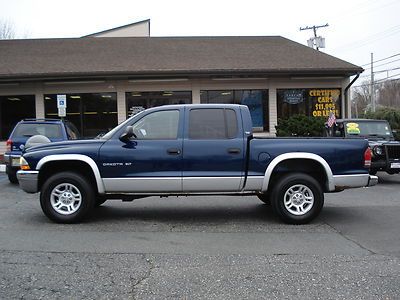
326 101
352 128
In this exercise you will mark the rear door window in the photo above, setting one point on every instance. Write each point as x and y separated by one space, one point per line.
212 123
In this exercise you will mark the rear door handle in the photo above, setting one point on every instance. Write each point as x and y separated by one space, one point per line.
174 151
234 150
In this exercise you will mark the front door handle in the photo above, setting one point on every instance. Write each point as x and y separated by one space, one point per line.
234 150
174 151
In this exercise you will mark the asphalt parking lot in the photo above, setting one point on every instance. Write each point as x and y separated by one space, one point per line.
203 248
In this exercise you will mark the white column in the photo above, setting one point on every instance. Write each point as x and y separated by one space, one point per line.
196 93
273 112
39 104
121 105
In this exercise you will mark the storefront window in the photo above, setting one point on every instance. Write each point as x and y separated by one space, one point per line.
92 113
138 101
256 100
12 110
309 102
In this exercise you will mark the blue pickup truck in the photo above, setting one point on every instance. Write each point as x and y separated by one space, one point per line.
193 150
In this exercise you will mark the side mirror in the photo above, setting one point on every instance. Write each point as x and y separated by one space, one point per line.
127 135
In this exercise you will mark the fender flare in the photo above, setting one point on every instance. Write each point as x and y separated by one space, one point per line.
79 157
298 155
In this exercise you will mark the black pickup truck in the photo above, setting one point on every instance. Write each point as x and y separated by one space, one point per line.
385 150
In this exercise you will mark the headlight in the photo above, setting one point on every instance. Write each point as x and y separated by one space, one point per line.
24 164
378 150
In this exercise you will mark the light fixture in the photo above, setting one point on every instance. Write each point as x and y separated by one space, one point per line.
73 82
225 93
315 78
238 78
14 99
136 94
106 96
168 93
75 97
158 80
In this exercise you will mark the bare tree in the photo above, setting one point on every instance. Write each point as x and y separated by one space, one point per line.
389 93
360 100
7 30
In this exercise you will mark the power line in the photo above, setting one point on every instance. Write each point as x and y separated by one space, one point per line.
381 80
380 71
384 64
381 59
370 39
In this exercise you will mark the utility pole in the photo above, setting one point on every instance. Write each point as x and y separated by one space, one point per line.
318 41
373 106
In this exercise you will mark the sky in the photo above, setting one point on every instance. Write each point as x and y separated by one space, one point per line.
356 28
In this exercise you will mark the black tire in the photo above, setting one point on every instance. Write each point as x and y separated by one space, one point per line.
302 186
73 189
12 177
265 198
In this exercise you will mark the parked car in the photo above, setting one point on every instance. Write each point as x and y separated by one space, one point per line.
385 150
54 129
193 150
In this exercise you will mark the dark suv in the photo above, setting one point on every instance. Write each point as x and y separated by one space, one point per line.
385 150
54 129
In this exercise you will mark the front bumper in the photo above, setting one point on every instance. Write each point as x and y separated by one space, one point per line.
28 180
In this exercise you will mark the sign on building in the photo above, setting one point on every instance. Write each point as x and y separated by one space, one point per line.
62 105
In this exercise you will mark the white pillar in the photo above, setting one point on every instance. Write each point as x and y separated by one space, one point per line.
121 105
196 93
39 104
273 112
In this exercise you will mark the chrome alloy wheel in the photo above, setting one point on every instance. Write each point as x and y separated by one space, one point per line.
298 199
65 198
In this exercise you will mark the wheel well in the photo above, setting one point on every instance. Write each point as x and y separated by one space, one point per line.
75 166
307 166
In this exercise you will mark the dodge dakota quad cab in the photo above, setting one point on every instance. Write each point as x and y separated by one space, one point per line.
193 150
385 150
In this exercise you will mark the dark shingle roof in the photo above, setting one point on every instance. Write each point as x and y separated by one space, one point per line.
161 56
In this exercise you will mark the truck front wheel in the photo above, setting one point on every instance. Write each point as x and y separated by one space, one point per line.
66 197
297 198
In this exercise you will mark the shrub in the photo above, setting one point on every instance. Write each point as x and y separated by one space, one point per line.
391 115
300 125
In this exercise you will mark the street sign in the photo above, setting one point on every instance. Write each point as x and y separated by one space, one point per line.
61 101
62 112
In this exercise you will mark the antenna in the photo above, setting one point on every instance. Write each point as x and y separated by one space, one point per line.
317 41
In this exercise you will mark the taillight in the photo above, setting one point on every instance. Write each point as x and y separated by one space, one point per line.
8 145
367 157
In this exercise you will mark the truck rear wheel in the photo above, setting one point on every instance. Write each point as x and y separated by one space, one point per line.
66 197
297 198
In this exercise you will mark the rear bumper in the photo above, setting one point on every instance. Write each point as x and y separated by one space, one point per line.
343 182
28 180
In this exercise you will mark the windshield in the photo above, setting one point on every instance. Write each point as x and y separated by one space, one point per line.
369 129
